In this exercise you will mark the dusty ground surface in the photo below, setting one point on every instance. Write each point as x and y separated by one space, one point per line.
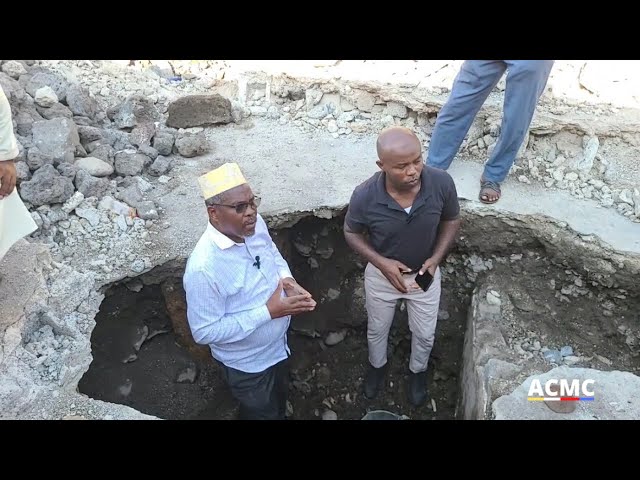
550 307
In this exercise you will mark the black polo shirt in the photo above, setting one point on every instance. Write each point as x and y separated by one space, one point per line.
394 233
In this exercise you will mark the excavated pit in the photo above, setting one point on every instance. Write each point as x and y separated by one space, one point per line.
144 357
570 214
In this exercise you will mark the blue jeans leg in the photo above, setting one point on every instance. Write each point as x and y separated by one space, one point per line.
526 80
471 87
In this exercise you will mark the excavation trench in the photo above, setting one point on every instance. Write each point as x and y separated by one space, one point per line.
552 291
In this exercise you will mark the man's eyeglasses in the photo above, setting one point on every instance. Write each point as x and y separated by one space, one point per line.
241 207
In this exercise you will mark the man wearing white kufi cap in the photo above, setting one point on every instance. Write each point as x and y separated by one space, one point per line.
241 295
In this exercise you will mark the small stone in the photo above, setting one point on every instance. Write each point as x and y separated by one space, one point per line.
566 351
571 360
137 266
335 337
187 376
333 294
553 356
329 415
493 298
524 179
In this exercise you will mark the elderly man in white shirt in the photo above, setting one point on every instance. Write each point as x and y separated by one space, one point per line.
241 295
15 219
8 148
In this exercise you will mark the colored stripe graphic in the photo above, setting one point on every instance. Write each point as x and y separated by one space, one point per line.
560 399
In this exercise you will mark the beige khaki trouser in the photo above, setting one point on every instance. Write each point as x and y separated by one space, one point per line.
422 308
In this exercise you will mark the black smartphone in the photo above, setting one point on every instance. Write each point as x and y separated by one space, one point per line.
424 281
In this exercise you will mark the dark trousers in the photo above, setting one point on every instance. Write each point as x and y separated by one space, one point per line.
262 395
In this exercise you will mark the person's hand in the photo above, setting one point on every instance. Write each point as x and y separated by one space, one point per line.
7 178
430 265
280 306
392 270
291 287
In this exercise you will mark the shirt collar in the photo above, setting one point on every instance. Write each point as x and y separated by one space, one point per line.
219 238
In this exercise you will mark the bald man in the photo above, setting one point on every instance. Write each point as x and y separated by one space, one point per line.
403 220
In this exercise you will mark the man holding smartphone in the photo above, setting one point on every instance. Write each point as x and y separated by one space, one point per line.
402 220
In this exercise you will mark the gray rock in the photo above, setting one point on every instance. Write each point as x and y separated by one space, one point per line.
89 134
94 166
199 110
150 152
161 166
106 153
329 415
131 195
335 338
46 186
37 218
147 210
493 298
57 214
91 186
57 110
13 69
36 159
585 163
396 110
553 356
22 172
68 170
566 351
163 142
138 264
133 111
43 79
24 124
46 97
68 291
80 103
187 376
130 163
71 204
142 134
191 145
91 214
57 138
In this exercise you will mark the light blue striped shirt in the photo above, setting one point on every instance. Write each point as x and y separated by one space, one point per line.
227 299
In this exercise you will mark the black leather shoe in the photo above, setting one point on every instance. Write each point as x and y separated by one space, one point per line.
417 388
373 381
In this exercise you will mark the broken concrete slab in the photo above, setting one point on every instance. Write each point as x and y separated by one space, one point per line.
585 217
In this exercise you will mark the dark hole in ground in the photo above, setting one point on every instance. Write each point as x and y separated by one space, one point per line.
144 356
